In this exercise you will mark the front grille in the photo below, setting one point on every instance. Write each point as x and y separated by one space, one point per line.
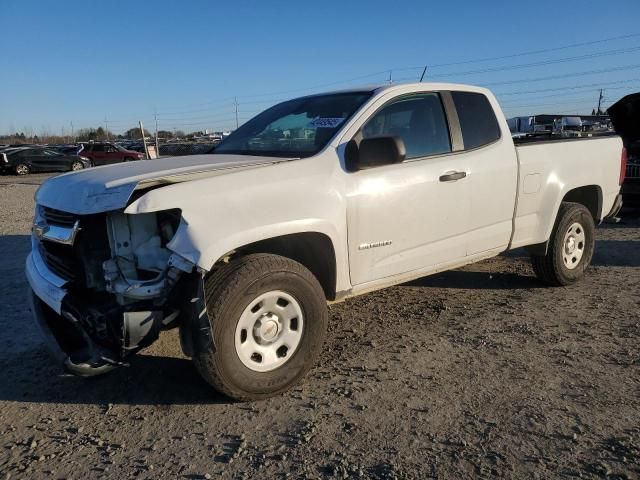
61 260
59 218
633 170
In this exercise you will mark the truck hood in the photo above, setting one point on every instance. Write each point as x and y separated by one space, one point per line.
625 116
107 188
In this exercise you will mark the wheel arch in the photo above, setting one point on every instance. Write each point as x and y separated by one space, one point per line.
314 250
588 195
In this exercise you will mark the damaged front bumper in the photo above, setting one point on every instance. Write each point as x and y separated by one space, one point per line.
69 326
46 300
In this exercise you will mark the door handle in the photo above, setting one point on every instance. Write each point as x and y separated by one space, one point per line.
452 176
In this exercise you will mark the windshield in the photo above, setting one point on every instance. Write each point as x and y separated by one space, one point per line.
296 129
120 148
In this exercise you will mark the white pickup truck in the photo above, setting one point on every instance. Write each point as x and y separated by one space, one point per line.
315 200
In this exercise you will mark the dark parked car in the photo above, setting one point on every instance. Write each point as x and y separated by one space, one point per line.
108 153
179 149
68 149
625 118
26 160
631 185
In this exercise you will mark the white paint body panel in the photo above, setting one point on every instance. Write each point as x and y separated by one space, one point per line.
229 201
549 170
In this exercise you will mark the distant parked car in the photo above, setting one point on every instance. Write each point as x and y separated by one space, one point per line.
109 153
180 149
136 147
23 161
68 149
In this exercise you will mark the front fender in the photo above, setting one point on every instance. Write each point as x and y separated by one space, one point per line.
204 243
225 213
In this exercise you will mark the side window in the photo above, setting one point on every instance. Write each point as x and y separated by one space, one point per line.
98 148
477 119
418 119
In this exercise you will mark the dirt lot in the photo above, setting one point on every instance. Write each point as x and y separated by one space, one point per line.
479 372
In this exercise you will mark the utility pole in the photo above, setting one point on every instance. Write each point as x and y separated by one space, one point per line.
600 98
390 76
106 127
144 141
73 139
235 103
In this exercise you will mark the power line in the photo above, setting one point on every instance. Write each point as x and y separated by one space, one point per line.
599 84
540 63
576 102
197 110
565 95
566 75
535 52
237 101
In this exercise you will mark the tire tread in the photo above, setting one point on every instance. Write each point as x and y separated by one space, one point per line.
219 286
547 267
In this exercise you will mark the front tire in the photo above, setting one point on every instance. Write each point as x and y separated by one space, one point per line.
22 169
570 249
258 327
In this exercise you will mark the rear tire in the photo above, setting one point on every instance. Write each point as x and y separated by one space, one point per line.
262 328
570 249
75 166
22 169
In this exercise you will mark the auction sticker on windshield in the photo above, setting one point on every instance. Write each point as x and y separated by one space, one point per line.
325 122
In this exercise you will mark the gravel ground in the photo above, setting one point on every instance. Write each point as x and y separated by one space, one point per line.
478 372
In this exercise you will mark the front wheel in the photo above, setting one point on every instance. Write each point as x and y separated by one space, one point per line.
22 169
571 247
258 326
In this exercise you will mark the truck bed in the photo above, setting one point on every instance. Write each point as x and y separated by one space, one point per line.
549 169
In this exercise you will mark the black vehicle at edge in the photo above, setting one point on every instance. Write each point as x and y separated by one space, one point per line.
625 115
23 161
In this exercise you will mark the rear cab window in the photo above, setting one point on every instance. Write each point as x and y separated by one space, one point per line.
477 118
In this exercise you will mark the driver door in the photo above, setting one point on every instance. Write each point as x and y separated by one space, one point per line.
53 161
412 215
112 155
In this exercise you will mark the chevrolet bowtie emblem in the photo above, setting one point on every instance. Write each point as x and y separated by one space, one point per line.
39 230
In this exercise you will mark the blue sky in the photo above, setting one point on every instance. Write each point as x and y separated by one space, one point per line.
84 61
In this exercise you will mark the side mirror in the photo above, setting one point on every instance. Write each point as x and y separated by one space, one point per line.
374 152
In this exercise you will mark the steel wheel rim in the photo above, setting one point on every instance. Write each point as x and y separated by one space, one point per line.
76 166
269 331
573 245
22 170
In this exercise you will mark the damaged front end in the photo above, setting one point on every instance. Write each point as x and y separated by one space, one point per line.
105 285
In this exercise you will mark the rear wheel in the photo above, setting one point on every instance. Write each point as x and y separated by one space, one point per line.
75 166
22 169
570 249
258 327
